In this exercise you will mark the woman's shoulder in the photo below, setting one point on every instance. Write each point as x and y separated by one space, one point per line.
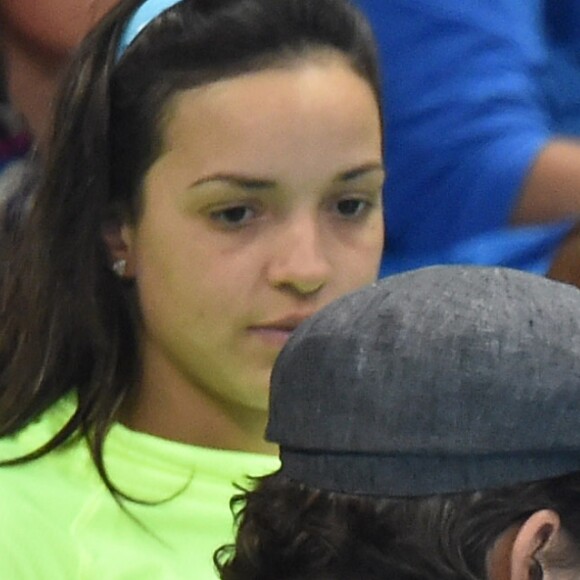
33 544
37 432
29 486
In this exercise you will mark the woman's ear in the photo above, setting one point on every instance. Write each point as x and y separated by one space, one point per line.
119 241
533 537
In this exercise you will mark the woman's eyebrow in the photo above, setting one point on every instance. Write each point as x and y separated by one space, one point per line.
360 171
238 180
253 183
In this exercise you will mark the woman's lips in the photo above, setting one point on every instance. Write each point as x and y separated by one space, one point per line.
272 335
278 332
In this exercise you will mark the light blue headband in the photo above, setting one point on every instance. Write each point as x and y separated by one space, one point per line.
148 11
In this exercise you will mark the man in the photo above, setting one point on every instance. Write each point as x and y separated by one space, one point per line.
429 428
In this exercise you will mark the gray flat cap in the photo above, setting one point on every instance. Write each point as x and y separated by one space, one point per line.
440 380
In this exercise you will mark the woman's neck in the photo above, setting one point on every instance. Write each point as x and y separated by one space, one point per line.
168 406
211 425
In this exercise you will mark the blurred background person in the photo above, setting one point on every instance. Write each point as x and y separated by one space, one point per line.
14 140
484 122
36 42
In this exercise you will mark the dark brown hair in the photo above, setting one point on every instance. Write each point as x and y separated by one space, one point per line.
288 531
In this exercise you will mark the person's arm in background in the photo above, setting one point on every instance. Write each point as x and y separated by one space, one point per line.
551 190
552 186
470 145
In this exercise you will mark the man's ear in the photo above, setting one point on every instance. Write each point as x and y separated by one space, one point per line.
119 241
536 534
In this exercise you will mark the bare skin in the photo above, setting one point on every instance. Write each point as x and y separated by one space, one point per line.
523 552
552 190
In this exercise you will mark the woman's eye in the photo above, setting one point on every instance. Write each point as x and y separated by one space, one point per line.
238 215
353 207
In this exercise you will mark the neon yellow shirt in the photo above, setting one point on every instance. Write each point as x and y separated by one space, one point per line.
59 522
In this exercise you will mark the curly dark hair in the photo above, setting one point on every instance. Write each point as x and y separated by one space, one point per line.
288 531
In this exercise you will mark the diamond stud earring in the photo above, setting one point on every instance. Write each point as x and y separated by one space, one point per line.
119 267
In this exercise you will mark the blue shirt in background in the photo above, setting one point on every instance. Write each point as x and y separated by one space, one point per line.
474 90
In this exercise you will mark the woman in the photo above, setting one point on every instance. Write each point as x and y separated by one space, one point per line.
214 179
428 429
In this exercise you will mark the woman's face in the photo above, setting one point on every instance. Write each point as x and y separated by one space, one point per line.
264 206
